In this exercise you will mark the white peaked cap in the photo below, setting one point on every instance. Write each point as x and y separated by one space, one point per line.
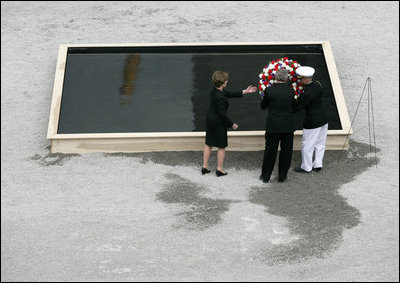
305 71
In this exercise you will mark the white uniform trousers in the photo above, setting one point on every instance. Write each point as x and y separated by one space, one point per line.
313 140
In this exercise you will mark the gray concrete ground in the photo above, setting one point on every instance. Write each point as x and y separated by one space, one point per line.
152 216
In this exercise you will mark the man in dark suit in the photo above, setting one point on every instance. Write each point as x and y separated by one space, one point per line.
279 127
315 126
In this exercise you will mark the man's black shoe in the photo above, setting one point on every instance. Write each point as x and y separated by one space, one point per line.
317 169
281 180
263 179
300 170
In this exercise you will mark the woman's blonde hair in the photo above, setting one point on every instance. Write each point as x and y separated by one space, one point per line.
219 78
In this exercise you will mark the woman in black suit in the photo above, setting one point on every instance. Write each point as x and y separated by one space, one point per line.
218 121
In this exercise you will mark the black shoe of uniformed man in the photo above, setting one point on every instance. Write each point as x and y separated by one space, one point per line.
300 170
318 169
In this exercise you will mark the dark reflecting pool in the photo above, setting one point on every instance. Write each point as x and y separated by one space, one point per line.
166 89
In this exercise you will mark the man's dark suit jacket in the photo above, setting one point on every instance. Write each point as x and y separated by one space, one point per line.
311 100
279 100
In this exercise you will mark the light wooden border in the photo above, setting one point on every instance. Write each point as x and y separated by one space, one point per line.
337 89
181 141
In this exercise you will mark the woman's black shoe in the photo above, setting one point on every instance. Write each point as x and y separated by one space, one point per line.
205 170
219 173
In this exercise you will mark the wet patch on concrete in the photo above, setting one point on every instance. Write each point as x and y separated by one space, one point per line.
314 209
52 159
170 158
237 160
198 212
312 205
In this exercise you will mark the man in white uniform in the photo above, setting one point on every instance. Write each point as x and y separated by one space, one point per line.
315 126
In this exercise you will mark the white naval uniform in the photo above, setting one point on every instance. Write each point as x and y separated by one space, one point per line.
314 140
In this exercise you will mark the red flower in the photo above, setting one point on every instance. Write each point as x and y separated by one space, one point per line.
267 76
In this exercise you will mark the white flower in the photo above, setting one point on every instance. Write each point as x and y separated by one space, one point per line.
263 87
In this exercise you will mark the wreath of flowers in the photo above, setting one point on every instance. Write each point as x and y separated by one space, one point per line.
267 76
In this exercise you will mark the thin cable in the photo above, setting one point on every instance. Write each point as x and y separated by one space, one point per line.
369 115
352 122
373 121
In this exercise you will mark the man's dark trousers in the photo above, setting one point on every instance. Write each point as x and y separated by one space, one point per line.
285 155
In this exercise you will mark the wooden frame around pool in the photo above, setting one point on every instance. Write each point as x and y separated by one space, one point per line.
181 141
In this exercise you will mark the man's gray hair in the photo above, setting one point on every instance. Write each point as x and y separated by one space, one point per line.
281 75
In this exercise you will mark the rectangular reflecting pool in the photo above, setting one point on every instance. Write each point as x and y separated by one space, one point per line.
132 98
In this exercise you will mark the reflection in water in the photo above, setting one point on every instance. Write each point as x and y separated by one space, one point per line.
130 75
161 92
